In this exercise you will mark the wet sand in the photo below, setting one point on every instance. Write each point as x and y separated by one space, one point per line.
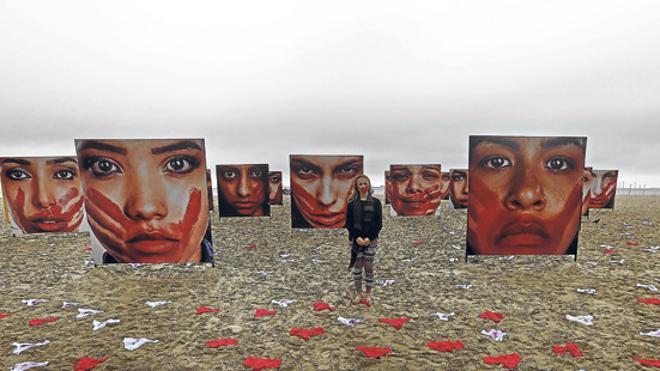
425 257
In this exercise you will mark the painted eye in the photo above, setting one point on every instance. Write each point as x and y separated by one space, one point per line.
558 164
101 166
180 165
458 177
400 177
17 174
430 175
275 179
497 162
64 174
256 173
230 174
347 170
305 170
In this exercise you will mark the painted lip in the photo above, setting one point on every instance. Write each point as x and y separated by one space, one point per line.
523 232
598 202
327 219
152 241
48 224
246 204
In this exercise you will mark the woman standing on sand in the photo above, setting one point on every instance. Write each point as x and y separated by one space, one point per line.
364 220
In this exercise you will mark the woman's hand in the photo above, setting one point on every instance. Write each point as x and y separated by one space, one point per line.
366 241
359 241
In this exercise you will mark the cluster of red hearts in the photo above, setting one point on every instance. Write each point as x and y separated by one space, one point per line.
509 361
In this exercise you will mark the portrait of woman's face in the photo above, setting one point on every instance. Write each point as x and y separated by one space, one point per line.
446 181
587 181
275 187
388 187
243 190
603 189
146 200
320 188
416 189
525 195
458 188
42 193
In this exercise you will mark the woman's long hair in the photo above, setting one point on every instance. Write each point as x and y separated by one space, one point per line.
355 193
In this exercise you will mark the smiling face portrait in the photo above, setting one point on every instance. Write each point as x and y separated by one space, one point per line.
146 200
320 188
243 190
416 189
458 188
587 181
275 187
603 189
42 193
525 195
446 181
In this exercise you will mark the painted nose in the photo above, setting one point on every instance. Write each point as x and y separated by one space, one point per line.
147 201
528 195
41 196
325 195
243 188
413 185
597 187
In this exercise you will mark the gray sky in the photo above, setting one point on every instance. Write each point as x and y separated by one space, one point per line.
395 81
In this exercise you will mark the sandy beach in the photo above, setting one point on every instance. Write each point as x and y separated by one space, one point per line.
425 257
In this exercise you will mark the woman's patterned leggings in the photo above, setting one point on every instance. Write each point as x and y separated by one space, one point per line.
365 259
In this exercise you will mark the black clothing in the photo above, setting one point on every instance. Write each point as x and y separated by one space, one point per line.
364 218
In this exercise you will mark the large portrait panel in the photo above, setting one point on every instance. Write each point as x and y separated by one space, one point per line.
320 189
603 189
146 200
458 188
243 190
416 189
275 188
525 195
42 194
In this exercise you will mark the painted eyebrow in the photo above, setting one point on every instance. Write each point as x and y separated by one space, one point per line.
501 141
62 160
556 142
347 163
301 163
95 144
185 144
257 168
19 161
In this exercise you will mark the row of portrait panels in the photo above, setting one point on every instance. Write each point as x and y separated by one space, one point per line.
143 199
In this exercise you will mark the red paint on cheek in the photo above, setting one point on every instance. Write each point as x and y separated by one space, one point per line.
191 217
108 207
68 196
308 199
19 201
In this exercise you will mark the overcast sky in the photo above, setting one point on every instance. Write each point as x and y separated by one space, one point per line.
399 82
